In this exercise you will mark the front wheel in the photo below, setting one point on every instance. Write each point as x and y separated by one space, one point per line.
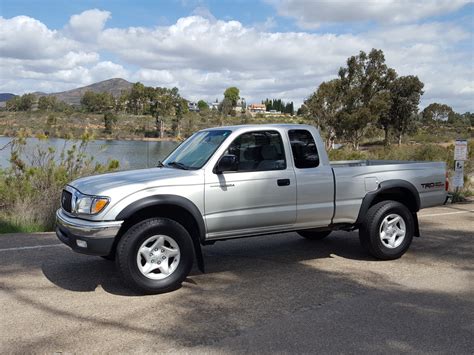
155 255
387 230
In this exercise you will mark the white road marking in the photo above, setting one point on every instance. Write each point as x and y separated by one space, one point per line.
443 214
33 247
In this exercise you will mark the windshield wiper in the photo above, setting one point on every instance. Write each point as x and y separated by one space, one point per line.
178 165
160 164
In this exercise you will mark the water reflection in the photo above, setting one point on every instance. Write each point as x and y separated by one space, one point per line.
130 154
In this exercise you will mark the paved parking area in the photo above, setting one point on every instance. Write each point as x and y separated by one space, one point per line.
268 294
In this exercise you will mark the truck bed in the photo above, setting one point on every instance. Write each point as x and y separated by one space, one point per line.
355 178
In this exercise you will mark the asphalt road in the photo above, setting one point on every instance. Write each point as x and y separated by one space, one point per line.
269 294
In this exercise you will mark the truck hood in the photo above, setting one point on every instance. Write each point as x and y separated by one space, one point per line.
128 182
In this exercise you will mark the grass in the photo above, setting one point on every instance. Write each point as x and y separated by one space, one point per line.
7 226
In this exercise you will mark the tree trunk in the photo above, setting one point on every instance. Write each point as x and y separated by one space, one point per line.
399 139
355 144
386 141
159 127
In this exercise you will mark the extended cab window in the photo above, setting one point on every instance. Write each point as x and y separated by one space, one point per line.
305 153
258 151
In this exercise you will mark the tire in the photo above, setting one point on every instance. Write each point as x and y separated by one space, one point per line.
381 233
110 257
313 235
150 243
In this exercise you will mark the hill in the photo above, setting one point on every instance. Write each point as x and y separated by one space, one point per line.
73 97
4 96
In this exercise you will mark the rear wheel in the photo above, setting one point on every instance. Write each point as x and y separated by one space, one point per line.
387 230
313 234
155 255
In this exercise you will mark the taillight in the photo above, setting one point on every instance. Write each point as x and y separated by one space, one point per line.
446 185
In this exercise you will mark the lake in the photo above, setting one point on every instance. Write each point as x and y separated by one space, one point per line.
130 154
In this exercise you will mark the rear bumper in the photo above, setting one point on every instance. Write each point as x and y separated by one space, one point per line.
87 237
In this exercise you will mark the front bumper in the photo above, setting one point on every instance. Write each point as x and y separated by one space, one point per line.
87 237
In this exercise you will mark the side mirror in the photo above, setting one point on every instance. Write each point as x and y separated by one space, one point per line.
228 162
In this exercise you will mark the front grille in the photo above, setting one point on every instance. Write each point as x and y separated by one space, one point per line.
66 199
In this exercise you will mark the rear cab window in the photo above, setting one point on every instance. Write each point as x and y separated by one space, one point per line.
303 147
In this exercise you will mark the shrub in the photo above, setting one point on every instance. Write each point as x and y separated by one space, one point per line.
30 188
109 121
347 154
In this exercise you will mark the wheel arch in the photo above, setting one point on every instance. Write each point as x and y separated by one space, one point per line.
396 190
173 207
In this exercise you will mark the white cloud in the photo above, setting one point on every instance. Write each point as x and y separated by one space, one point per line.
203 56
32 56
313 13
87 25
23 37
106 70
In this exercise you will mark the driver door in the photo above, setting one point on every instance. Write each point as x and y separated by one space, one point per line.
260 195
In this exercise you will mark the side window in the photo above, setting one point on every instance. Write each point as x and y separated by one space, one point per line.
258 151
304 149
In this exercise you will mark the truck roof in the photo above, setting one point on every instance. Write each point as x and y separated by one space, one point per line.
261 126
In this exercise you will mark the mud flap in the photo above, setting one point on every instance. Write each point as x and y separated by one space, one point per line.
417 227
199 256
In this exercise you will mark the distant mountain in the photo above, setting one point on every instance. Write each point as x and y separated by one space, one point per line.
73 97
4 96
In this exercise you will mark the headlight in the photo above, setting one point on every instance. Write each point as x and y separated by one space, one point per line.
85 204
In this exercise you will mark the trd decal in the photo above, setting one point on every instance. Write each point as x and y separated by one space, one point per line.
430 185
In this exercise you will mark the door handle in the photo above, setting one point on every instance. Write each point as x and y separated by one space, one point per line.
283 182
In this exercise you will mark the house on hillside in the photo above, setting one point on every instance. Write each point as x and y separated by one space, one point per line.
241 105
213 105
256 108
193 106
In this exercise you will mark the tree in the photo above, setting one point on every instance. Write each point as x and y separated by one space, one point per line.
225 107
324 105
469 117
405 92
436 112
21 103
202 105
89 101
161 105
121 102
232 94
137 98
109 121
302 111
97 102
362 83
47 103
180 108
13 104
164 102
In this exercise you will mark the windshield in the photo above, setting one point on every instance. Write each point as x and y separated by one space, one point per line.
196 150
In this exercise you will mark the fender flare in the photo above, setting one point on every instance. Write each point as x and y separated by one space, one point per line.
174 200
387 185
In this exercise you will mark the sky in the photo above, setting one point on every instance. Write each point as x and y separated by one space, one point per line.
268 49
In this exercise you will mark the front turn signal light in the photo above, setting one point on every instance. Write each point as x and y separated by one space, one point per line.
98 205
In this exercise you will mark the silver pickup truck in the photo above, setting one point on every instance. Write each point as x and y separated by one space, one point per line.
241 181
